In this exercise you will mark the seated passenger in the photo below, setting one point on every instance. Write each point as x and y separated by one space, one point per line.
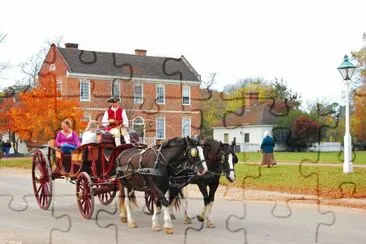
66 138
90 134
116 122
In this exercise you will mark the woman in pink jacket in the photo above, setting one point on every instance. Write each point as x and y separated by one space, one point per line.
66 138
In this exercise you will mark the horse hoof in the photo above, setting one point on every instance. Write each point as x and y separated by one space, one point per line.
200 219
156 227
132 225
172 216
123 219
187 221
169 230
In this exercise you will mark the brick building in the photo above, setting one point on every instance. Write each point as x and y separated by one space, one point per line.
160 94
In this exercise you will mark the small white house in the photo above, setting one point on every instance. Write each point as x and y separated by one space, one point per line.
247 125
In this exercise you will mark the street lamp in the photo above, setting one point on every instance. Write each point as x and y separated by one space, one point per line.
347 69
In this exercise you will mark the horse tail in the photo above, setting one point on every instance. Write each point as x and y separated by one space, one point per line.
175 196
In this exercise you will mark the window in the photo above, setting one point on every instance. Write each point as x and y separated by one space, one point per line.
59 86
86 117
138 94
226 137
246 137
116 88
138 126
186 126
160 94
52 67
85 91
160 128
186 95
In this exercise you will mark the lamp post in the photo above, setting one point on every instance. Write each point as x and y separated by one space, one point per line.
347 69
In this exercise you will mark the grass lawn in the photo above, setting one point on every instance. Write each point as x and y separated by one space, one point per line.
24 163
297 157
285 178
303 181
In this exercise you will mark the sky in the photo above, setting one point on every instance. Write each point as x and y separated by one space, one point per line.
301 41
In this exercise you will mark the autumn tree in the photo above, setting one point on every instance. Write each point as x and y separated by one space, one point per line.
38 115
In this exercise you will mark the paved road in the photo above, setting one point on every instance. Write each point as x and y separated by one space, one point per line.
27 223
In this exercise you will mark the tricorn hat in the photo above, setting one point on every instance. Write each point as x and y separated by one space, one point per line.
113 100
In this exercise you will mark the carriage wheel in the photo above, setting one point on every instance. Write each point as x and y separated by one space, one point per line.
107 197
42 180
85 195
149 201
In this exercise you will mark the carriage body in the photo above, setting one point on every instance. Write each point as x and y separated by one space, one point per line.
91 165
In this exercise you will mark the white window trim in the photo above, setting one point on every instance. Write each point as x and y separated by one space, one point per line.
156 133
139 117
190 124
85 81
227 138
142 94
86 116
189 92
119 87
52 67
59 82
156 91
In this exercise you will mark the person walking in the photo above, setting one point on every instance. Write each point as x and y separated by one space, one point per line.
267 150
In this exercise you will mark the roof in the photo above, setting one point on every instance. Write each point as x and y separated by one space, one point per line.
117 64
259 114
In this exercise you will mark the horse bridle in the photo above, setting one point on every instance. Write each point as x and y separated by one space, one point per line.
185 158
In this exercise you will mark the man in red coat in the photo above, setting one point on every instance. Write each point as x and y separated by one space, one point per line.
113 118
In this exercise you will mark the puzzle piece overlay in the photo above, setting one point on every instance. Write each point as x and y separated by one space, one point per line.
235 223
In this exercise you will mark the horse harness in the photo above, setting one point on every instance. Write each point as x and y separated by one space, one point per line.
160 160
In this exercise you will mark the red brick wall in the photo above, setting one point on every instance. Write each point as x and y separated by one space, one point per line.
101 90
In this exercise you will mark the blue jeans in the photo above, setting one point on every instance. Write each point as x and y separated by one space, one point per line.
6 151
67 148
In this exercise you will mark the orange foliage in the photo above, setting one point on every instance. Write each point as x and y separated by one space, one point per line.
359 115
5 104
38 115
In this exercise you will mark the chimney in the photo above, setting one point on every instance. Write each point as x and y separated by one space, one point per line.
72 45
252 98
140 52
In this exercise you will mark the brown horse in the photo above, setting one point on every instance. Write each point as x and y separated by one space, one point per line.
150 170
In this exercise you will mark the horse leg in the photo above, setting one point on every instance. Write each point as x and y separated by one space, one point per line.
172 202
155 217
213 188
168 225
121 204
131 222
203 188
184 194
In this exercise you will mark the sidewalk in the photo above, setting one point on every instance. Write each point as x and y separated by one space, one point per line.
238 194
309 164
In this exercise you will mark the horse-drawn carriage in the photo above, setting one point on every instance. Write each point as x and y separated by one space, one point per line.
91 167
101 169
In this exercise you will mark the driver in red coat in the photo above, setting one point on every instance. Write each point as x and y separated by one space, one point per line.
113 118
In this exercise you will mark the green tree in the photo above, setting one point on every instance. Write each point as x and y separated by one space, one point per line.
280 90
